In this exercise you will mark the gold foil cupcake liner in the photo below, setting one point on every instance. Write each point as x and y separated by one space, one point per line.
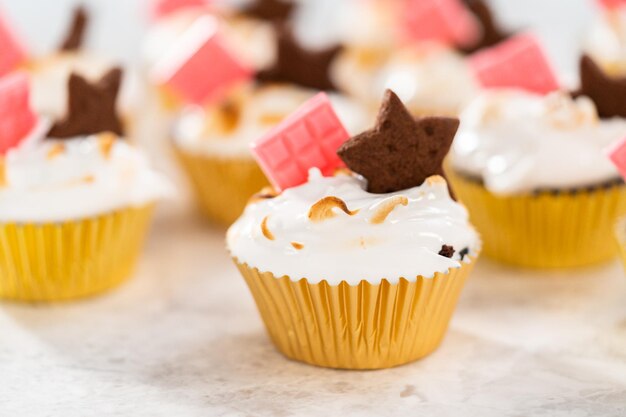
222 186
364 326
544 230
620 238
60 261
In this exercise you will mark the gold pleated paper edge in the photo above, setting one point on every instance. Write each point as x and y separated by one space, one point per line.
364 326
544 230
66 260
620 238
222 186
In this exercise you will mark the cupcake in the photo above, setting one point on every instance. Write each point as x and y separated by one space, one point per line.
49 74
230 103
426 67
533 172
213 143
248 33
355 268
75 198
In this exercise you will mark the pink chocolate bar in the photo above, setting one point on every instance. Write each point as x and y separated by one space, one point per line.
447 21
162 8
518 62
617 154
16 117
308 138
12 53
200 69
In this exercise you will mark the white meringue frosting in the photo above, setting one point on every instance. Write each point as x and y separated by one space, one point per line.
519 142
257 110
58 180
331 229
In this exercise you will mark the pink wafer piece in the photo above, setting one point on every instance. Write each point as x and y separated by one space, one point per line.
617 154
16 117
162 8
517 62
199 68
447 21
12 53
612 4
308 138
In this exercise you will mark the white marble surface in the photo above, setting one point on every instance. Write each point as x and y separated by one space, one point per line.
183 337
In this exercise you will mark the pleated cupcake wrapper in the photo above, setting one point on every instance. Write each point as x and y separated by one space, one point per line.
222 186
620 238
546 230
364 326
59 261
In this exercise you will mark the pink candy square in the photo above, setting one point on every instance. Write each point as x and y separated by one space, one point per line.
16 117
517 62
612 4
162 8
617 154
447 21
308 138
12 52
199 69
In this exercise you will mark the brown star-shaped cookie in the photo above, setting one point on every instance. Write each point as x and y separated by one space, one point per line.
491 32
400 152
74 38
608 93
297 65
91 107
272 10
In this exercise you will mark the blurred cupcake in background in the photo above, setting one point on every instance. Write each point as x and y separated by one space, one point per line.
248 30
230 103
531 167
605 42
75 198
421 56
50 74
213 143
357 268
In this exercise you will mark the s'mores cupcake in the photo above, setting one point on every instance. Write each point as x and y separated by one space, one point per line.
355 268
75 198
533 171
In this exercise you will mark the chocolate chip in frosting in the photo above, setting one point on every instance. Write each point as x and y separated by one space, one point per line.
399 152
91 107
447 251
607 92
463 253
